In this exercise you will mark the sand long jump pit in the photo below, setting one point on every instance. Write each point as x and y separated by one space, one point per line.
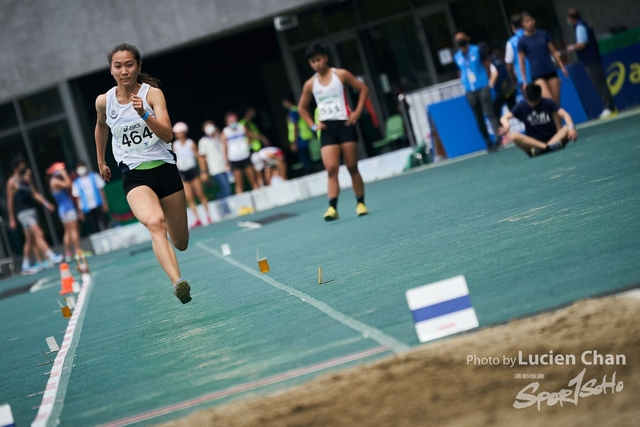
577 366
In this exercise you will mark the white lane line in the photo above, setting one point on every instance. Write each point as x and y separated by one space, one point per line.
634 293
216 395
53 397
44 283
366 330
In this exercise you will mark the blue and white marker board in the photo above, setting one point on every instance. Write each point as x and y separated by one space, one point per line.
442 308
6 416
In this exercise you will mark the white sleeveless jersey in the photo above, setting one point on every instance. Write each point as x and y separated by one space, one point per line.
237 143
331 99
186 158
132 141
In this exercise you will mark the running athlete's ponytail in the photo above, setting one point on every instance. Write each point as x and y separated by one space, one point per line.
142 77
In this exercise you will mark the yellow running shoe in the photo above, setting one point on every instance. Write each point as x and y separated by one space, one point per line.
361 209
331 214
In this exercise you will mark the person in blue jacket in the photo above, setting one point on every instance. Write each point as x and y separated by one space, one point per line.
511 53
586 47
475 69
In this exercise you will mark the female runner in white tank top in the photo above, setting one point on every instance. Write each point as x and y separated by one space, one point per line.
135 112
337 124
187 159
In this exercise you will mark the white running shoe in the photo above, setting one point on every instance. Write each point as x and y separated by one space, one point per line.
606 113
28 270
57 259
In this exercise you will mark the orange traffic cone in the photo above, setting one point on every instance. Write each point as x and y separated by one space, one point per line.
66 279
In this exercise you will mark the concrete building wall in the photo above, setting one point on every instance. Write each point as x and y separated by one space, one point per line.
47 41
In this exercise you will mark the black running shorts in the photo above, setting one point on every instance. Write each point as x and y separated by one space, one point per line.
336 133
547 76
189 175
163 180
241 164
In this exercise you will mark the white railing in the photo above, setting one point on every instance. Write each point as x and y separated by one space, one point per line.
419 100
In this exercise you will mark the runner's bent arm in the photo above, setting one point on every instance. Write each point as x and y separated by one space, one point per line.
305 100
161 123
360 87
101 135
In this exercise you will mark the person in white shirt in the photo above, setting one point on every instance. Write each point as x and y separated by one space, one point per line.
215 165
270 161
236 138
88 189
187 160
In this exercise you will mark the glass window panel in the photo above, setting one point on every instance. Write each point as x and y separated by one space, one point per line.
418 3
310 26
376 9
302 65
350 59
399 64
340 16
482 20
438 32
52 143
8 118
542 10
41 105
11 147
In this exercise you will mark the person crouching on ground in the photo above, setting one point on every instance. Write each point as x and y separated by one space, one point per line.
544 131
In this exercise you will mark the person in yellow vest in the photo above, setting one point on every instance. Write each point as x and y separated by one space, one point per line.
299 134
247 121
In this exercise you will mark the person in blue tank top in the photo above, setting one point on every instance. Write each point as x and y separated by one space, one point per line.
60 185
586 46
537 47
475 69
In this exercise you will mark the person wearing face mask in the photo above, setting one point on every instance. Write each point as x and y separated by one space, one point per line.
475 69
213 162
187 159
586 47
88 189
235 137
21 198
